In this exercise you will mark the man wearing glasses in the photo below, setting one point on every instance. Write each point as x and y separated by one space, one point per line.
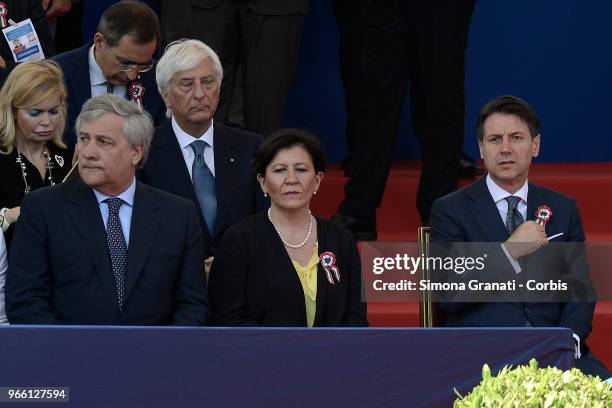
118 61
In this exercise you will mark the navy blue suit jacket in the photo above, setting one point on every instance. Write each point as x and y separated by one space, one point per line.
238 192
470 215
61 271
75 65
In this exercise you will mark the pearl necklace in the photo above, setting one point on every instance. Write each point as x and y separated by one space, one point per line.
281 235
24 174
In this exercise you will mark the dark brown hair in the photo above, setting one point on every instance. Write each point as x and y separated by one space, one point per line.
129 18
285 139
509 105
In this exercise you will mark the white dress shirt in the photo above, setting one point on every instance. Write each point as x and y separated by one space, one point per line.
499 197
98 80
184 140
125 211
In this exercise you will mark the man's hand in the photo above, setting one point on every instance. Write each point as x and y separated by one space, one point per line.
207 263
2 63
56 8
12 214
526 239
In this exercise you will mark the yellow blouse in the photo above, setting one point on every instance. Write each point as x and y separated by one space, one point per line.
308 278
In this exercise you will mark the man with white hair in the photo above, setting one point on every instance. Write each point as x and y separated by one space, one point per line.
194 157
104 248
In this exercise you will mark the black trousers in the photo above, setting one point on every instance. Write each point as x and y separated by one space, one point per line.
589 364
348 19
264 46
421 42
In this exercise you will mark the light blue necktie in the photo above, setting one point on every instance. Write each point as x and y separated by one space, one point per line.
117 247
204 185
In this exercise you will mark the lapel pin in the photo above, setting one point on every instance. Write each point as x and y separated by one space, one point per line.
543 214
136 92
231 160
3 14
328 262
59 159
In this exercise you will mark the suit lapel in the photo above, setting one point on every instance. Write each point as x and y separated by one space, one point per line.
282 267
81 92
486 214
148 81
143 229
322 283
87 219
225 172
536 196
169 159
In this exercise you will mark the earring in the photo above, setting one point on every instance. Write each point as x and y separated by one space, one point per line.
315 192
265 194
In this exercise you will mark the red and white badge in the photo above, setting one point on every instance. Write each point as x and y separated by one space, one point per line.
543 214
328 262
136 92
3 14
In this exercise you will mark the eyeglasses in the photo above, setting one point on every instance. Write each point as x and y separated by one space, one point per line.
140 68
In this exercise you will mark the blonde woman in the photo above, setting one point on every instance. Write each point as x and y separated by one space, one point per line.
32 119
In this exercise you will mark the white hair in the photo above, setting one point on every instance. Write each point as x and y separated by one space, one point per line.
183 55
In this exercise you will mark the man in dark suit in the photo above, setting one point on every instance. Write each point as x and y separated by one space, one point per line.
261 37
106 249
118 61
402 40
218 178
501 208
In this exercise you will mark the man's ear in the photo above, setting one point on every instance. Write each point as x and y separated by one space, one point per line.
99 41
137 153
535 146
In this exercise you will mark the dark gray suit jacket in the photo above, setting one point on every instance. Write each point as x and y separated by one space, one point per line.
238 192
60 269
470 215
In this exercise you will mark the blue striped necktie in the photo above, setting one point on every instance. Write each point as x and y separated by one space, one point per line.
513 216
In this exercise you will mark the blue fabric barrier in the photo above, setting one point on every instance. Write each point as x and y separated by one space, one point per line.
177 367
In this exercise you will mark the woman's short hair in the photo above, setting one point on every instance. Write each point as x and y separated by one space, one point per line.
183 55
137 124
286 139
28 84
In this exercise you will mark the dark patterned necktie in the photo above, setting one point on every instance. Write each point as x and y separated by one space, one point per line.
116 247
513 216
204 185
109 87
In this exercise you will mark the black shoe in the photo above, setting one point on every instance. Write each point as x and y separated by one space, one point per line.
363 229
468 168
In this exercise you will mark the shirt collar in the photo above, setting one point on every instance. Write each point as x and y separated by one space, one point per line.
185 139
127 196
96 77
499 193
